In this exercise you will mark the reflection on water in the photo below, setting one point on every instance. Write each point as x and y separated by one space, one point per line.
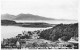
12 31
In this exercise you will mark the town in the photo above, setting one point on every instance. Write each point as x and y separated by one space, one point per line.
34 39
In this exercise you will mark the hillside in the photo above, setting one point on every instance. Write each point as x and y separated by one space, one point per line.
7 17
7 22
13 23
60 31
23 17
30 17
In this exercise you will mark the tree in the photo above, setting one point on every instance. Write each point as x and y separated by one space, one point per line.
65 38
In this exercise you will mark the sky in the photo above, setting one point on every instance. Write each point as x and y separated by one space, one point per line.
58 9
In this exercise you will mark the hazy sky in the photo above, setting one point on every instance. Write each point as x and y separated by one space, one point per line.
60 9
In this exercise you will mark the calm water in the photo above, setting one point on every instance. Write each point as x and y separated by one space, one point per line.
52 21
12 31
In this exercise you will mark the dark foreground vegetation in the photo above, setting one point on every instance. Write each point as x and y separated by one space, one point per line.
57 37
35 24
63 31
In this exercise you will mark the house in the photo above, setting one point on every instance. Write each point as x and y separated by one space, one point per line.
65 45
35 36
74 42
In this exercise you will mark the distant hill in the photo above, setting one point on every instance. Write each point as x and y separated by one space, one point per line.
7 22
13 23
30 17
7 17
23 17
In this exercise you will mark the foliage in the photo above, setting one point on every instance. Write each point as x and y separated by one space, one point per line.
7 22
68 30
65 38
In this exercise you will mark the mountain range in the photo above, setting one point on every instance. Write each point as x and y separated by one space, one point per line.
23 17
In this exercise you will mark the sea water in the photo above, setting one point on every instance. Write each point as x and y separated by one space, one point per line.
12 31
